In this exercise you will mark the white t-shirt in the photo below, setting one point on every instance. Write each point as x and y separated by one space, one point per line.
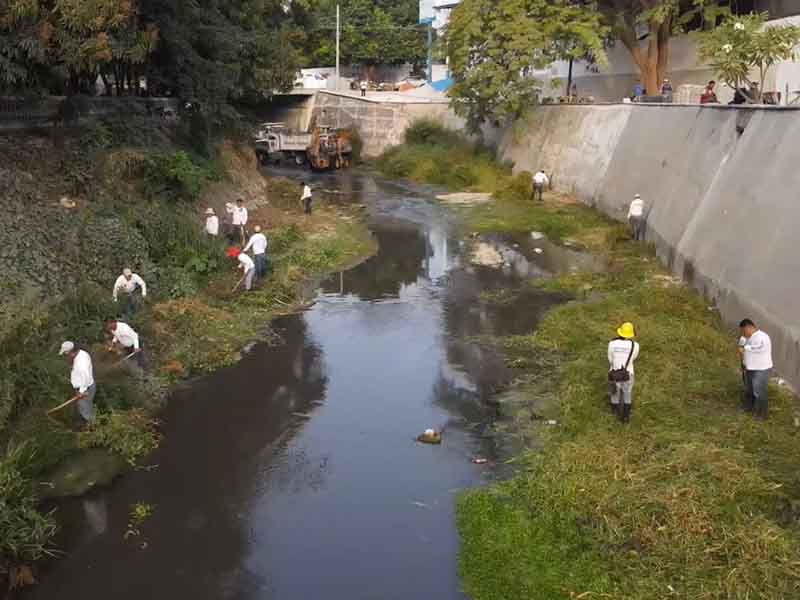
82 376
125 336
245 262
128 285
540 178
238 214
636 208
306 192
757 351
212 225
618 351
258 241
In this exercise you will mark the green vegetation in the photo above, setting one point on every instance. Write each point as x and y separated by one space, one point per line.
141 213
744 44
692 496
140 512
470 166
692 499
494 47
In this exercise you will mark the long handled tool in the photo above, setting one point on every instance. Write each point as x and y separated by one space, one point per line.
238 283
72 400
116 364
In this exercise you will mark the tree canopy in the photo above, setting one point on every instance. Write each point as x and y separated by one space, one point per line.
495 46
645 26
373 32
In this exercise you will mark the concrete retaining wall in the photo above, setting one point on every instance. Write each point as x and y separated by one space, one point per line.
722 185
380 123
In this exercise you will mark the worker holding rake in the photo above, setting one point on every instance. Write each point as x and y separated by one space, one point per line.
82 379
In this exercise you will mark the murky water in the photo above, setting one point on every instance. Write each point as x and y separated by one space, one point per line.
295 474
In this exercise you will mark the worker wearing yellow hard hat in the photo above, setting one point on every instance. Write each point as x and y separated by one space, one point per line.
622 352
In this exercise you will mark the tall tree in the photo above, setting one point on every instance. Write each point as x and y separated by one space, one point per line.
496 45
645 27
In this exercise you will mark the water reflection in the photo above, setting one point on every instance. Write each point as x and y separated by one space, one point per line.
294 474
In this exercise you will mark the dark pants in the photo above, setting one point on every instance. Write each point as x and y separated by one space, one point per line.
363 93
755 392
261 264
131 302
538 188
307 205
637 228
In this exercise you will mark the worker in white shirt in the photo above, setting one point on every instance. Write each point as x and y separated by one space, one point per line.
212 223
132 287
363 88
82 379
540 181
636 218
306 198
238 219
123 335
755 348
622 352
258 242
248 268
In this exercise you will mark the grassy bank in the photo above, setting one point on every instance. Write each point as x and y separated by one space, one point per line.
137 197
692 499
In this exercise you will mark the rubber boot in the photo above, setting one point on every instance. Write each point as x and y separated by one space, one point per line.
626 413
614 408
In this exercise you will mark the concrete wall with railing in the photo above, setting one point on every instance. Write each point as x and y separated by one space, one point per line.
721 187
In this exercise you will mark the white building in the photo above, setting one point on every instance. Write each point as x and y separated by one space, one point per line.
437 10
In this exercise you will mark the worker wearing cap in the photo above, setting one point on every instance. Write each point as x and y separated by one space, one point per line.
258 242
212 223
133 287
622 352
124 335
82 379
636 218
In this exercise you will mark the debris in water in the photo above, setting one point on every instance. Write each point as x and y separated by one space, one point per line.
419 504
538 250
67 202
21 577
537 235
781 381
487 256
302 415
551 422
479 460
430 436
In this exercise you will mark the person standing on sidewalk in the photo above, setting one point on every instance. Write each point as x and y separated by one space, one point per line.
306 198
82 379
540 180
622 353
755 348
636 218
258 242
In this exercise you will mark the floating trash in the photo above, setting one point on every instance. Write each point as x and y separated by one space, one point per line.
538 251
479 460
430 436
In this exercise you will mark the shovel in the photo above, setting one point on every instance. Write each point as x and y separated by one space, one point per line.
236 287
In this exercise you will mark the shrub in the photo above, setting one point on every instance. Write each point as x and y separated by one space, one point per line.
174 175
131 434
428 132
25 532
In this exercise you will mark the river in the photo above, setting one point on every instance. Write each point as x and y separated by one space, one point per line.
295 473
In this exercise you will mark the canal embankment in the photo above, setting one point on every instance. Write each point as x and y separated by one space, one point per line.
693 498
79 205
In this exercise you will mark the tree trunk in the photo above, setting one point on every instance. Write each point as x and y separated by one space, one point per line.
652 83
664 33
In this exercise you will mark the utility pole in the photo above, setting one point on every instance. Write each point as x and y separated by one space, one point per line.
338 38
430 50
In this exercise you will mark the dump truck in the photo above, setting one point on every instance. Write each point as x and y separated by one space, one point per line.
322 148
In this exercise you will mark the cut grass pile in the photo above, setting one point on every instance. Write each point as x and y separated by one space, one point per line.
693 499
